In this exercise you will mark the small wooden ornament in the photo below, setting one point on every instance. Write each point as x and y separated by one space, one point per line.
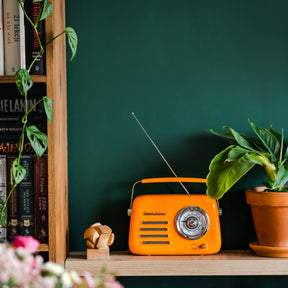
98 239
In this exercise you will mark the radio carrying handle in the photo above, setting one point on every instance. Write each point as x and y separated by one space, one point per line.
163 180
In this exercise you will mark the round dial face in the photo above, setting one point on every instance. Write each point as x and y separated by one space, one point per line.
192 222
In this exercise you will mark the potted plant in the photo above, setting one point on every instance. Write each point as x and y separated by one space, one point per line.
269 203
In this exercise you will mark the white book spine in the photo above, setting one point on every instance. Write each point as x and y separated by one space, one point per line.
11 20
1 41
22 39
3 193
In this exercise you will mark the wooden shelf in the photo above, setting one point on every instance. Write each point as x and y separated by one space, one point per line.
43 248
223 263
35 79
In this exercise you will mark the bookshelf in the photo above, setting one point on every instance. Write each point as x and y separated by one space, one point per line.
55 81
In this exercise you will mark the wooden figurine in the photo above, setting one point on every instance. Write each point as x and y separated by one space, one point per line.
98 239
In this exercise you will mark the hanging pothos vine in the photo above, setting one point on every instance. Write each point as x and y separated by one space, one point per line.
24 83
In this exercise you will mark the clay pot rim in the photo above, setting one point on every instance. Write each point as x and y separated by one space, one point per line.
260 189
258 197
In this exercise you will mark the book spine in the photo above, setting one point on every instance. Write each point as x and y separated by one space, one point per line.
41 198
26 198
11 20
12 110
32 44
3 193
22 39
12 205
1 41
10 146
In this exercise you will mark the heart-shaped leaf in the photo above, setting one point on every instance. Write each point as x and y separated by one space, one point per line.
23 81
72 40
37 139
18 171
47 10
48 108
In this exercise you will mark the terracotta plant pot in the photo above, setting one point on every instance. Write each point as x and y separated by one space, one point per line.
270 216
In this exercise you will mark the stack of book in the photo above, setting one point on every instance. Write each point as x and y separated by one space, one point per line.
19 43
27 209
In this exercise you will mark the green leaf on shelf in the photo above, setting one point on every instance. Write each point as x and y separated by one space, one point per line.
72 40
37 139
47 10
23 81
48 108
18 171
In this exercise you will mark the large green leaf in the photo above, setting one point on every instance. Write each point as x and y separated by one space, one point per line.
236 153
269 141
281 139
72 40
225 173
230 137
240 139
281 178
37 139
225 135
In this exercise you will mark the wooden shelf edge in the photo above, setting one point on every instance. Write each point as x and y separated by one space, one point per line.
43 248
222 264
35 79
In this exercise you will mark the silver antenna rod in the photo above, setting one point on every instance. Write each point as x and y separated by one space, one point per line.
159 152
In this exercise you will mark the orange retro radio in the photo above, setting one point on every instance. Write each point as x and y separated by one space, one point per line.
174 224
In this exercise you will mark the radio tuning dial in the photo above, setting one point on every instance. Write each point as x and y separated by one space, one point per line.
192 222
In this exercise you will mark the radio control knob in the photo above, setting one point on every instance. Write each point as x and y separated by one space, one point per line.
202 246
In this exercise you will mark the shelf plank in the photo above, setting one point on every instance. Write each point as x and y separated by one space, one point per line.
35 79
43 248
224 263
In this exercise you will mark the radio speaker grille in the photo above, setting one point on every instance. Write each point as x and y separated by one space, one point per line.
161 227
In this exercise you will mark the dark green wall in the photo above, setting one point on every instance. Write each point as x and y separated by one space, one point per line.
182 66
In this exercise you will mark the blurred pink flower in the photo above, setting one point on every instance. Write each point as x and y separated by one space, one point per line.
90 280
26 242
110 282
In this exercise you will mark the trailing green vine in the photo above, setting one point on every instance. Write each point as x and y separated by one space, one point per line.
24 83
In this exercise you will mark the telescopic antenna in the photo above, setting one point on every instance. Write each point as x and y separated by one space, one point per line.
157 149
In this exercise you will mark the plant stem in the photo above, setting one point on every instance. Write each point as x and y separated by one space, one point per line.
51 40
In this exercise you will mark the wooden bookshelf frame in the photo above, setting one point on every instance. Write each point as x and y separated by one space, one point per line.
57 135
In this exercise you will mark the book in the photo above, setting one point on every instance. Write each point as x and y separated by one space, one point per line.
12 205
26 198
41 198
12 109
32 44
3 193
11 20
22 38
1 41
